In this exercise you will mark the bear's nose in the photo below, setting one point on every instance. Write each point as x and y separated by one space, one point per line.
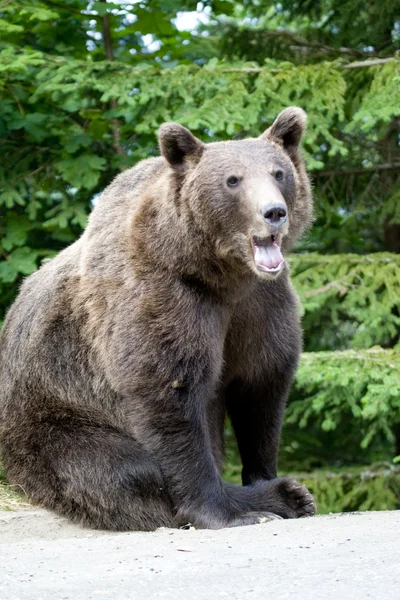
274 214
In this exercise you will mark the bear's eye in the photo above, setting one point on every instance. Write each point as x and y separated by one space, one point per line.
233 181
279 175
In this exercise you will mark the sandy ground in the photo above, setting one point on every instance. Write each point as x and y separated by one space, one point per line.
352 556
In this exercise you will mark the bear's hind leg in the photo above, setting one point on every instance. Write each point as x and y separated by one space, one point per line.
94 475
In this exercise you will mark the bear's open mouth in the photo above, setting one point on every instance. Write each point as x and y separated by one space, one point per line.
267 253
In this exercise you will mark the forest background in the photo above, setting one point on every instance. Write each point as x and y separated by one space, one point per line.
84 87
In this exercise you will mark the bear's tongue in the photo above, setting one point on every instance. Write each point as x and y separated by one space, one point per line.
267 256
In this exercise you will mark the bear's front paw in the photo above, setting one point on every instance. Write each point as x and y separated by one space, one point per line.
292 499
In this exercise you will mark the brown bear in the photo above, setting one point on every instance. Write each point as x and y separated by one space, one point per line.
121 356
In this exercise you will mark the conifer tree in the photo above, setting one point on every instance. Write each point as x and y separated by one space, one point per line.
85 85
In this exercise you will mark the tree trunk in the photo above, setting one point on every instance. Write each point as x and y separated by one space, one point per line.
108 50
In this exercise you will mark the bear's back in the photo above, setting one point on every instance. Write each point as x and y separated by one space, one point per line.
43 292
49 304
119 199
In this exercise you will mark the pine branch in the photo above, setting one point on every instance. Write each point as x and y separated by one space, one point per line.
20 108
353 65
74 11
300 41
368 63
387 357
337 283
120 67
314 258
359 170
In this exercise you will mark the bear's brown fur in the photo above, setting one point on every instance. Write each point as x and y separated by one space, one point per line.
121 356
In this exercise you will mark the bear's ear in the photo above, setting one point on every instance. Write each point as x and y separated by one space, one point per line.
178 145
288 128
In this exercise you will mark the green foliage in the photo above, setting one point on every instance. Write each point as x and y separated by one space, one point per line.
75 111
348 301
83 88
373 488
344 489
310 30
381 102
359 488
361 385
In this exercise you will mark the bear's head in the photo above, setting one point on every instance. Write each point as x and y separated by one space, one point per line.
252 197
